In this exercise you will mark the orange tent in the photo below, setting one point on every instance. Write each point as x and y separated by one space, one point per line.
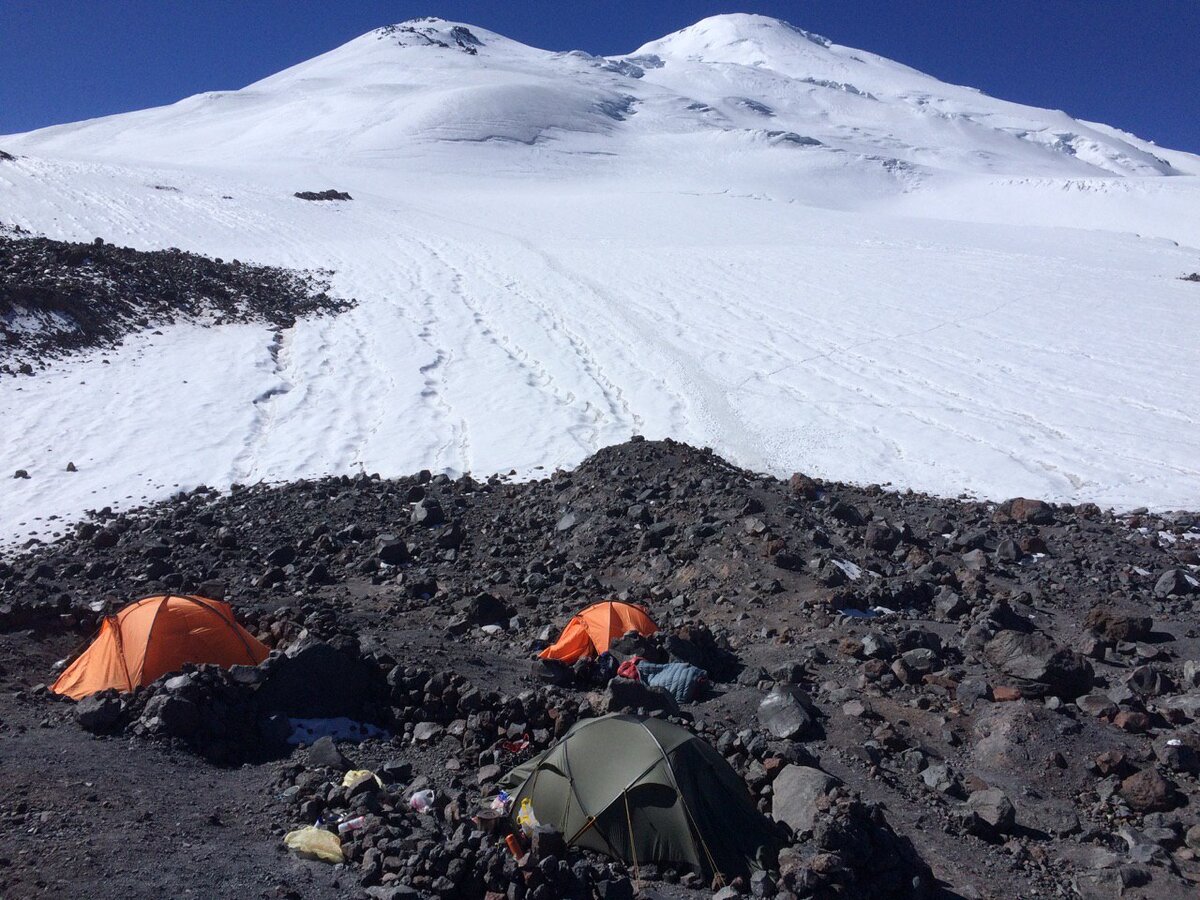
154 636
590 632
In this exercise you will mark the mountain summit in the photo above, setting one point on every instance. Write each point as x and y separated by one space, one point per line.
748 86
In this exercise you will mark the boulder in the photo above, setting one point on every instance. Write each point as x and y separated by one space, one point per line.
796 792
624 693
391 550
949 604
1036 658
485 609
803 486
881 537
428 513
1113 625
1148 791
99 713
785 712
324 754
174 715
1021 510
992 813
424 732
1097 705
1174 581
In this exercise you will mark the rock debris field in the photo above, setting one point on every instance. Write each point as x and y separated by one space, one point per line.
61 297
930 697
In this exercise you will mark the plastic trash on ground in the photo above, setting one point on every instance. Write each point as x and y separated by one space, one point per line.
501 801
352 824
421 801
355 774
315 843
525 817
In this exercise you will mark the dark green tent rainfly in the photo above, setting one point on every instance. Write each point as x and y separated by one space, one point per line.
642 790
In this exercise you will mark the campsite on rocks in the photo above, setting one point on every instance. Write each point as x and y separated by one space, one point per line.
743 467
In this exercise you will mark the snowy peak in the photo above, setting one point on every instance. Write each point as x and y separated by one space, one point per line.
731 97
431 31
741 38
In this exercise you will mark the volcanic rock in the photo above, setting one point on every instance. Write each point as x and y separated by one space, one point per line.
1034 657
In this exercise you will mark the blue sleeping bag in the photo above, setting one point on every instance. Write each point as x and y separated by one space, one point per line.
680 678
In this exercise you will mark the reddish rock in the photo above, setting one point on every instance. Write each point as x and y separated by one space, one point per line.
1024 511
1005 694
1111 762
803 486
1148 791
1133 722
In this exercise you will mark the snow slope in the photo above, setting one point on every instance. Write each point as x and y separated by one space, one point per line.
741 235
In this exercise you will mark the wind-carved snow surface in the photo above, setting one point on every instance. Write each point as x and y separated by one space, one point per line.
743 236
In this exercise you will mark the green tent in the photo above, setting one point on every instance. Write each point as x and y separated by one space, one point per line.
642 790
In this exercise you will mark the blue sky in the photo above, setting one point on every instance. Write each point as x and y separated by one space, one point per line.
1134 64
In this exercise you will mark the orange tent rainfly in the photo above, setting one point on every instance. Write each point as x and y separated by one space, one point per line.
154 636
591 631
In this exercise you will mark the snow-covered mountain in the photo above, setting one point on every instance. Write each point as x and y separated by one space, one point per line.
742 234
727 84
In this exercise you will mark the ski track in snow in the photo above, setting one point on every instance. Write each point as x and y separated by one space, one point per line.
480 348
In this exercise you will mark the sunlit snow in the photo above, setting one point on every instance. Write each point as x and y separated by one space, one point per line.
742 236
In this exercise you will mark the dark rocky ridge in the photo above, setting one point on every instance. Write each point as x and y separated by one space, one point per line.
329 194
1024 715
82 296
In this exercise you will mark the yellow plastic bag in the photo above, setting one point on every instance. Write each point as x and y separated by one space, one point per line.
315 843
525 817
355 774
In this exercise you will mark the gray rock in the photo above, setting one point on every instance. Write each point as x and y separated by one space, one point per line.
428 513
248 675
1178 751
98 713
993 812
1034 657
391 550
975 560
1191 673
876 646
941 778
881 536
624 693
1148 681
921 661
972 690
324 754
177 683
1096 705
785 712
423 732
796 791
1142 850
171 714
547 842
949 604
762 885
1174 581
